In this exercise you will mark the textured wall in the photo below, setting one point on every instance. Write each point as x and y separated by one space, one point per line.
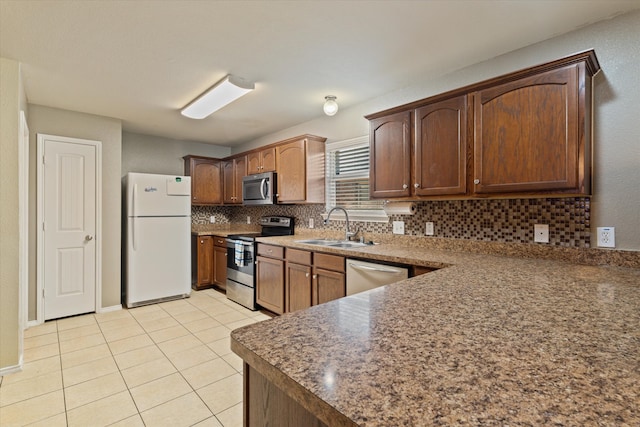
152 154
9 224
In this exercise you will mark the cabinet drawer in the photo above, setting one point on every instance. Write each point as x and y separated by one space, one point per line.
270 251
329 262
299 256
219 241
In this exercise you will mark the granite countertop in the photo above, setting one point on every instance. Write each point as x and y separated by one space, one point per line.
487 339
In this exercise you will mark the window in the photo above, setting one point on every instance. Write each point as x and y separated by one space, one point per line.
348 180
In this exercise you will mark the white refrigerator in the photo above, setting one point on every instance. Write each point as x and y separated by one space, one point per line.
158 234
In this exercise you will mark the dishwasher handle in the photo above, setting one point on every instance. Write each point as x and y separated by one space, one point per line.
378 269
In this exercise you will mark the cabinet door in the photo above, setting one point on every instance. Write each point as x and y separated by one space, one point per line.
292 178
327 285
229 183
261 161
440 148
254 163
268 160
239 172
298 281
206 181
202 271
270 284
220 266
390 142
526 134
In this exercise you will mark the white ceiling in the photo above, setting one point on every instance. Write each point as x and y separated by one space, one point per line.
141 61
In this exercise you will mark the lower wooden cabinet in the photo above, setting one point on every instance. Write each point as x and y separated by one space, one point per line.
220 262
270 278
289 279
201 262
328 278
208 262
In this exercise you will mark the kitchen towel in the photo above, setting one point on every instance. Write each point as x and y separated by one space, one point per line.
239 257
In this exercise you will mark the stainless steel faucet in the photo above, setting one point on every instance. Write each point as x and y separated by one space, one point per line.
347 233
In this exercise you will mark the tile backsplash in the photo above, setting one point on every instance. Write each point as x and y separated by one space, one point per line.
507 221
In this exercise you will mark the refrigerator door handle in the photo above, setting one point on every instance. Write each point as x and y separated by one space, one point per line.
134 197
133 232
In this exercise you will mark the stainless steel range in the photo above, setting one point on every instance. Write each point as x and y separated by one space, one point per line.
241 250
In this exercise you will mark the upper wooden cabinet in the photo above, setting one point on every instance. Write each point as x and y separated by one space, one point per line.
440 148
300 170
261 161
234 170
206 179
390 155
526 133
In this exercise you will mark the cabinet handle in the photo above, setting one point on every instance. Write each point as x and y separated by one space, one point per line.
202 242
315 276
476 181
416 185
306 274
405 186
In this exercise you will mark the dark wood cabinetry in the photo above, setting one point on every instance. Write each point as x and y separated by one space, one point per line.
234 170
289 279
440 148
206 179
298 279
300 169
270 278
526 133
220 262
390 164
261 161
328 278
201 262
208 262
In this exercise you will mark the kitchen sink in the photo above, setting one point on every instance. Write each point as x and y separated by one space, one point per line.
344 244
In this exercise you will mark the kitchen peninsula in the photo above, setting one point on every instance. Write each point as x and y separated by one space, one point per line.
488 340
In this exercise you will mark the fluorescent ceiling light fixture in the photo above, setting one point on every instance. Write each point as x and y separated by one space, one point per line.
222 93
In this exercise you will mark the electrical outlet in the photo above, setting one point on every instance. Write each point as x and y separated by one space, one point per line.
212 219
428 228
398 227
606 237
248 220
541 233
311 223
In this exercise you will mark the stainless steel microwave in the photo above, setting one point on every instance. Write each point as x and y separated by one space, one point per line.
259 189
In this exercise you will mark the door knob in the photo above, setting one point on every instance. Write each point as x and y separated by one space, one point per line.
88 237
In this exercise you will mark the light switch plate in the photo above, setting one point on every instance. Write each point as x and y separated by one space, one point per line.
398 227
311 223
212 219
541 233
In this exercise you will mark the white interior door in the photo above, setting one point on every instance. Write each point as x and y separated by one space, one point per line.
69 213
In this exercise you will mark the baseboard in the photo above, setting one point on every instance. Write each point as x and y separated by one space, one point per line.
109 309
32 323
10 370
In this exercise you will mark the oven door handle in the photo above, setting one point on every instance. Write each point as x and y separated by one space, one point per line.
242 242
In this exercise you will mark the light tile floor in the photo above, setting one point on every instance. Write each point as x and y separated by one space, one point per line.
165 364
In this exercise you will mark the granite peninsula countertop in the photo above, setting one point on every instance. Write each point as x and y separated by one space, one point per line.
487 340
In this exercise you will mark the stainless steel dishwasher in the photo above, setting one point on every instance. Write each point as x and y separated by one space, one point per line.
362 276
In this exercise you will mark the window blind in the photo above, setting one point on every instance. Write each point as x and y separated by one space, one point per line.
348 177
